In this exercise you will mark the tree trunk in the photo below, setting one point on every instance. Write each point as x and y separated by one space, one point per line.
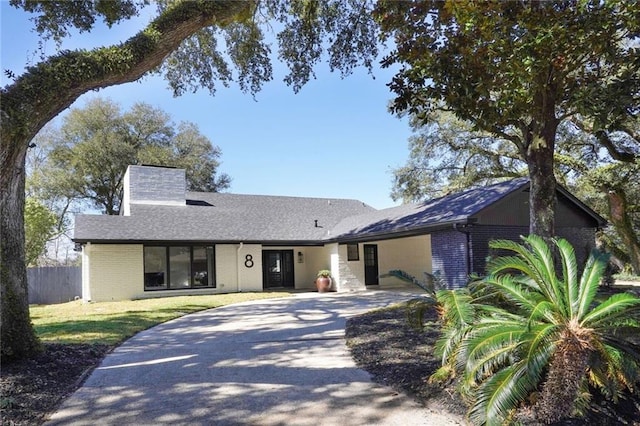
542 198
567 371
539 137
618 209
43 92
18 337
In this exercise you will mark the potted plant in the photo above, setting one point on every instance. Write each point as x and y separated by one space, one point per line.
323 281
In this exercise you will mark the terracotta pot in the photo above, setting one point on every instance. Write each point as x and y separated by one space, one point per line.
323 284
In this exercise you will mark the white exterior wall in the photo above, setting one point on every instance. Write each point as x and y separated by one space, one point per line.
412 255
351 273
86 288
237 272
249 268
227 268
112 272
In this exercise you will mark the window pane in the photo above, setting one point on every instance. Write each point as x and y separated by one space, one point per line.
180 267
155 267
200 267
352 252
211 260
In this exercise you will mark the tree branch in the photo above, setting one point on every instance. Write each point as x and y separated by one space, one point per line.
53 85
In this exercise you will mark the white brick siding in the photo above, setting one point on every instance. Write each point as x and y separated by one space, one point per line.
113 272
227 268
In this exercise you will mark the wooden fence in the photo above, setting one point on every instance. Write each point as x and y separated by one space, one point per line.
54 284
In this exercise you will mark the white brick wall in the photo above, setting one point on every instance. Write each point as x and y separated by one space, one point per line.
351 273
114 272
227 267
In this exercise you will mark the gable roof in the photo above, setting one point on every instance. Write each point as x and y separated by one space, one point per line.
439 212
222 217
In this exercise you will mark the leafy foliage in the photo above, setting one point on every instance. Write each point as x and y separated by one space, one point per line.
523 330
419 308
90 153
40 227
447 155
516 70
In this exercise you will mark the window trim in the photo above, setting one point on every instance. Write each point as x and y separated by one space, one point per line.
209 248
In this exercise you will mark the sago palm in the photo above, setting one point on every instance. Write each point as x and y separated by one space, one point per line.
523 330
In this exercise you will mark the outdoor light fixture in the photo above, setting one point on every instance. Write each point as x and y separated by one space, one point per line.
300 257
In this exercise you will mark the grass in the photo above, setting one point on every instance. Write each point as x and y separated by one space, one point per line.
111 323
626 277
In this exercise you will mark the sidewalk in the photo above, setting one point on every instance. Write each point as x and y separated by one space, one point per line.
273 362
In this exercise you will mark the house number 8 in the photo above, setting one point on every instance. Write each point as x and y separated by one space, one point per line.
248 261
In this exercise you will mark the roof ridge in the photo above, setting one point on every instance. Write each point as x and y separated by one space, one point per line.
298 197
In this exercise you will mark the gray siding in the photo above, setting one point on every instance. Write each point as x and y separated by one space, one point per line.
450 257
582 240
513 210
156 185
480 237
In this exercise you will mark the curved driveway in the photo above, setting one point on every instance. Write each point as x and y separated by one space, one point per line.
268 362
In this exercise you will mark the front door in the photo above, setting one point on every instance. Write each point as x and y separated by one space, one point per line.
371 264
277 268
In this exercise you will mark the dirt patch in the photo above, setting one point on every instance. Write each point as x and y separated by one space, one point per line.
32 389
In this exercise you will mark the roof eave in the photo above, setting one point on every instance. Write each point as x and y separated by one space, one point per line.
410 232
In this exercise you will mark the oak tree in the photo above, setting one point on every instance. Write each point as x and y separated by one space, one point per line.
195 44
517 70
89 153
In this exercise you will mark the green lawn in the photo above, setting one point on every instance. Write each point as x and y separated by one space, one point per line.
113 322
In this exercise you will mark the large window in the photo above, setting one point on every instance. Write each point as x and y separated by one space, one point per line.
155 268
178 267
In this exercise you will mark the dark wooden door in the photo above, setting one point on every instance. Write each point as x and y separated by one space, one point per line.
277 268
371 264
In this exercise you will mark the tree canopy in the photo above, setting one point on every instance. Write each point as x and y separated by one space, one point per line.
89 154
40 227
446 155
517 70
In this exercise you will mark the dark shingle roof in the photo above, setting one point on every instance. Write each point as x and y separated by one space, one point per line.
454 208
223 217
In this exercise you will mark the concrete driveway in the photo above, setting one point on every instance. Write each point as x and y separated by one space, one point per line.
273 362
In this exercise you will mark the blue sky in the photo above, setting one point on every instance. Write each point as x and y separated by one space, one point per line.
335 138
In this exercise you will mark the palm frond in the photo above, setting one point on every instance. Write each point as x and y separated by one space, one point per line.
543 309
537 263
499 395
542 261
617 305
513 290
456 305
570 276
448 346
538 345
491 351
589 281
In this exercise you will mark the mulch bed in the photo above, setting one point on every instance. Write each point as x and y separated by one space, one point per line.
33 388
401 357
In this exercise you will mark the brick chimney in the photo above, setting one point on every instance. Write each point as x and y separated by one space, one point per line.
153 185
